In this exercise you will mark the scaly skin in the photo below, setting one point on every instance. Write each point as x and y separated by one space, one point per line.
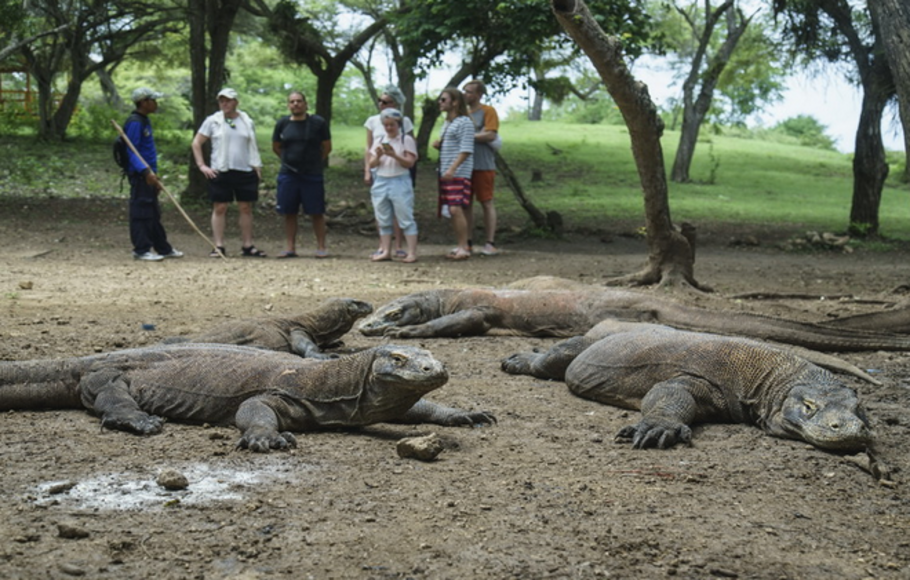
267 395
473 312
679 378
306 334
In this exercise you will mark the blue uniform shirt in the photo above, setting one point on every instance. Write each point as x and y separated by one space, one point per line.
140 134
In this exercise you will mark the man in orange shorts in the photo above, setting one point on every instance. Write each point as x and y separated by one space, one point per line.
486 128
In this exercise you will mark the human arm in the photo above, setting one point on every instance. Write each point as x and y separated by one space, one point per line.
326 149
459 159
368 159
198 141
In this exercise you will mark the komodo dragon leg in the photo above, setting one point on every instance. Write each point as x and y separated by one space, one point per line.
667 410
258 423
107 394
427 412
469 322
551 364
302 345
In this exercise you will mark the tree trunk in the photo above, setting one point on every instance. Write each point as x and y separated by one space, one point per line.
892 18
869 166
210 28
109 89
696 109
671 256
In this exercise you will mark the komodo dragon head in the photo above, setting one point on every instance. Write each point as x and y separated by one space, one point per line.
334 318
407 310
398 367
827 415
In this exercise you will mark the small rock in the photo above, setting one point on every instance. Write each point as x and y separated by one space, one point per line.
172 480
71 531
59 488
26 284
423 448
71 569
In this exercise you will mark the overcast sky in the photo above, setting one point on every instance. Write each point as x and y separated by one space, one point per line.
827 97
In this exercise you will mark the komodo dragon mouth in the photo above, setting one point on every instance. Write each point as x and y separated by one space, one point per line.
827 416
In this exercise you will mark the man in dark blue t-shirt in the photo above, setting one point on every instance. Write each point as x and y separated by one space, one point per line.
303 143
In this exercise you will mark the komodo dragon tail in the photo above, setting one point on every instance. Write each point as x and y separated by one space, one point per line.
806 334
39 384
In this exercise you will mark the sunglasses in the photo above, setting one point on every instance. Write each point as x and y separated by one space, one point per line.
385 102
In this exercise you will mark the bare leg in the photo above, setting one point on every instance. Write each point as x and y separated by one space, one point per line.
219 219
489 221
290 232
397 234
460 226
246 223
319 230
412 248
385 252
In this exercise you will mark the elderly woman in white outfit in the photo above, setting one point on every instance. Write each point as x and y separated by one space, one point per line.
234 171
392 154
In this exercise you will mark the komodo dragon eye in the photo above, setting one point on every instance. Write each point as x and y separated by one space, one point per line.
399 358
809 407
394 314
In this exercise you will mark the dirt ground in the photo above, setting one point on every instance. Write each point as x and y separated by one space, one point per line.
545 493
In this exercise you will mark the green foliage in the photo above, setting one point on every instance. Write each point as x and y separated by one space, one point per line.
501 39
807 130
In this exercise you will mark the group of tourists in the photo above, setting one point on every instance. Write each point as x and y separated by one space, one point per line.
303 142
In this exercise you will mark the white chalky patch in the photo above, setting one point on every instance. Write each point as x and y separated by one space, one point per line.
139 491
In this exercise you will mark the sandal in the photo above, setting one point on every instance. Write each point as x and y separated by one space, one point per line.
220 252
253 252
401 254
458 254
322 253
380 256
286 254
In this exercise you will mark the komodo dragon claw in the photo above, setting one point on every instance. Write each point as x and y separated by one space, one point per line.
138 423
663 436
263 443
472 418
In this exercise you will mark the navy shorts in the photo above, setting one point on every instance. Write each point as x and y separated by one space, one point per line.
295 190
234 185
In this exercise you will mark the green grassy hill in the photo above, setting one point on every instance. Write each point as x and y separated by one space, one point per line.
587 174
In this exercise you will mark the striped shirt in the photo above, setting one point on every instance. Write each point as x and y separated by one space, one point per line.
457 137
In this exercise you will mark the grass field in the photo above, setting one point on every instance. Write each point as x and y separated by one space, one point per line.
588 175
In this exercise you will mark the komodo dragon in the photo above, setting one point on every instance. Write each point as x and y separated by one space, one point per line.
267 395
677 378
305 335
472 312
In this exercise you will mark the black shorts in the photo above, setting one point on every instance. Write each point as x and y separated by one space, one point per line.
234 186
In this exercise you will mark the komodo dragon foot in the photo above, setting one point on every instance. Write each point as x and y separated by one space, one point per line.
263 442
662 434
138 422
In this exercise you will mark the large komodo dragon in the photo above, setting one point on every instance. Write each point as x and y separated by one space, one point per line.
267 395
305 335
678 378
457 312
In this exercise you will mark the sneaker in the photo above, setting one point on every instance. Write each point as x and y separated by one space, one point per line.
148 257
489 249
174 253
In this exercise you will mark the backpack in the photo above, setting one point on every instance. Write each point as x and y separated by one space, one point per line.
121 150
